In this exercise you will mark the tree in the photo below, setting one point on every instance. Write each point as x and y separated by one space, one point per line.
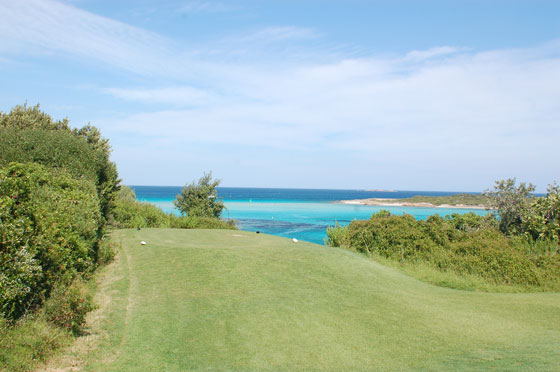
512 203
200 198
542 220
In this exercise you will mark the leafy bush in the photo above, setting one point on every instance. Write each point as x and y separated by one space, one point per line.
200 198
541 221
130 213
511 202
460 244
106 251
67 306
29 135
194 222
336 236
48 231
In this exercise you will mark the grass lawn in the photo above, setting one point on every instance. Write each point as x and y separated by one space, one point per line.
217 300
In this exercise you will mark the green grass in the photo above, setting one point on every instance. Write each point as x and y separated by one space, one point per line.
216 300
29 343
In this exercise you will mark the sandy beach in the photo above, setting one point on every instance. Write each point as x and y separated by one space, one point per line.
397 203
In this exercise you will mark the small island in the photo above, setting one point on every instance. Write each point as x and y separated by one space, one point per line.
468 201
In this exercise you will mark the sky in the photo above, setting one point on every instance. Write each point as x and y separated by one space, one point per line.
408 95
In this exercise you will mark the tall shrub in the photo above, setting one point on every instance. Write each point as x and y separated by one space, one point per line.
48 233
200 198
29 135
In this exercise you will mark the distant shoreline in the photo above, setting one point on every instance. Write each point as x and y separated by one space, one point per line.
392 202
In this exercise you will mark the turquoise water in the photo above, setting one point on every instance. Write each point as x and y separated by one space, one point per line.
303 220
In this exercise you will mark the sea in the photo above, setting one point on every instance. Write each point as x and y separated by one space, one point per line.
302 214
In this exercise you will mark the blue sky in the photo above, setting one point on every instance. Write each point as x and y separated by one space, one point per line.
417 95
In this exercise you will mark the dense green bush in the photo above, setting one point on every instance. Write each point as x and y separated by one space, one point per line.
336 235
462 244
194 222
67 306
541 221
131 213
511 201
48 233
200 198
29 135
54 203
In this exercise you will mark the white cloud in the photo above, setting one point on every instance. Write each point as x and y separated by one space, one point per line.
418 55
443 109
473 110
45 27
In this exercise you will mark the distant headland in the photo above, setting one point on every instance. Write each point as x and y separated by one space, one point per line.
466 201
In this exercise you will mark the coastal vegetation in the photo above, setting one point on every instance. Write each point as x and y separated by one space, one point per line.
57 187
452 200
200 198
517 250
59 197
128 212
463 200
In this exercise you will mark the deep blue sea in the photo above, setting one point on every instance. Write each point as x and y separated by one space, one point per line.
303 214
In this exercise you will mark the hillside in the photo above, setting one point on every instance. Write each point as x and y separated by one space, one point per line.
194 300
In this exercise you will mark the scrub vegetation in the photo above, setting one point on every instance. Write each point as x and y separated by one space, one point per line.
519 250
200 199
457 199
131 213
59 196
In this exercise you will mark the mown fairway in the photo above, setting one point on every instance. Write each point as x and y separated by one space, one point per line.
213 300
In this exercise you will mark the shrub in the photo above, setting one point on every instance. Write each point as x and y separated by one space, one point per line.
68 305
130 213
195 222
511 202
541 221
459 244
336 236
200 198
48 231
29 135
106 251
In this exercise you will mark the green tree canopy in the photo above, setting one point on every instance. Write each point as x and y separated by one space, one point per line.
512 203
200 198
542 219
28 134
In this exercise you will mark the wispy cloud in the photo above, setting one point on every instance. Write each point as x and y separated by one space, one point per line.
440 110
45 27
498 108
418 55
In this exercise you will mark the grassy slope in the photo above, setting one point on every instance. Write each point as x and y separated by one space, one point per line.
238 301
